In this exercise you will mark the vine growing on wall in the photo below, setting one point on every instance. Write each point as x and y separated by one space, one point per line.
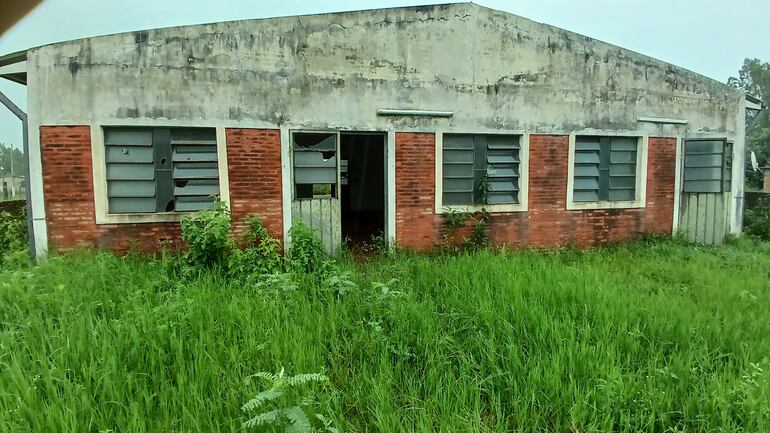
455 219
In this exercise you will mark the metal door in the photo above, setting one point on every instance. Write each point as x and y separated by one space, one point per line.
316 184
706 181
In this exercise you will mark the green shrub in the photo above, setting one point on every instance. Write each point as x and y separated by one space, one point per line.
307 251
455 220
207 234
756 220
13 237
261 256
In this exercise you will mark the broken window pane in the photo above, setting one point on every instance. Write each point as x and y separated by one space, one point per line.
315 165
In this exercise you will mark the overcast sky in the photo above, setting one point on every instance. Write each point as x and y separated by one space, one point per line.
711 37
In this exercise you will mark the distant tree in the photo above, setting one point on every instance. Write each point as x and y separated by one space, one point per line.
19 163
754 79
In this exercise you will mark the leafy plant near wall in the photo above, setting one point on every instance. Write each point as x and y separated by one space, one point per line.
483 189
207 234
288 405
306 253
13 237
454 220
262 254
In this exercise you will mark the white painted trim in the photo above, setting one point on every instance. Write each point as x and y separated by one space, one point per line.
438 156
737 187
286 185
665 120
523 204
99 169
39 227
390 187
641 175
677 185
224 172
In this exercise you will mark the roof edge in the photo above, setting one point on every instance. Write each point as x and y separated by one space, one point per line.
12 58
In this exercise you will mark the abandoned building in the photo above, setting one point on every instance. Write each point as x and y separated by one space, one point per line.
376 122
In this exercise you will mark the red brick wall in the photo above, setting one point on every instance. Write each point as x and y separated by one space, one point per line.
254 168
69 199
417 226
547 222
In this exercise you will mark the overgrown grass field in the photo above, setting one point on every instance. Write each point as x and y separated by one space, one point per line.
646 337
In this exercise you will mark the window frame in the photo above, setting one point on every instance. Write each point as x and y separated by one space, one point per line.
640 189
99 168
521 206
337 152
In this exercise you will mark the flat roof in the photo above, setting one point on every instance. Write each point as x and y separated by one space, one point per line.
13 66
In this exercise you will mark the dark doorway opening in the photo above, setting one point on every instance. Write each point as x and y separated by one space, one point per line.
362 172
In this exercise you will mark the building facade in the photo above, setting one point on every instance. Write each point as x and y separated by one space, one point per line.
377 121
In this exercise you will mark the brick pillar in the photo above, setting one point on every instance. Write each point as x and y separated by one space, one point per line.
417 225
254 169
68 185
661 182
548 218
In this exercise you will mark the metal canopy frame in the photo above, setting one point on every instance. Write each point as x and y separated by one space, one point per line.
13 67
27 190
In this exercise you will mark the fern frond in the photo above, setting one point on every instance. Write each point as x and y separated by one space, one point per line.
302 379
327 423
259 399
262 419
298 421
263 375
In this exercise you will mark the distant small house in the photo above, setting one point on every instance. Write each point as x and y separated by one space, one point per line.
373 122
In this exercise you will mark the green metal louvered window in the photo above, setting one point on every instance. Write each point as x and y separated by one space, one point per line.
480 169
605 169
707 166
153 170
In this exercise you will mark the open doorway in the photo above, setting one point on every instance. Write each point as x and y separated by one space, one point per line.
362 175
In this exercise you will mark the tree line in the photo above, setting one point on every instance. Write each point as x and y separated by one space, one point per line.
754 79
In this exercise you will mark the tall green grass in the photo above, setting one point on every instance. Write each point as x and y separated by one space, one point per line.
647 337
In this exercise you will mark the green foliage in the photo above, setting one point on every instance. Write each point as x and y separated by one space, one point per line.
288 405
261 256
207 235
756 221
454 220
754 79
307 251
19 162
376 245
14 242
651 336
483 189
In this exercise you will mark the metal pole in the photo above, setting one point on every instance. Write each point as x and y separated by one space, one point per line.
13 181
27 190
